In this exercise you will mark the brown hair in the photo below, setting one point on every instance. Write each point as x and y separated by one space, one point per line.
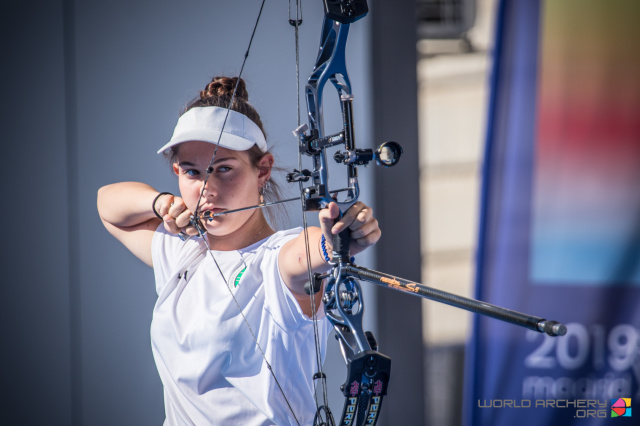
219 93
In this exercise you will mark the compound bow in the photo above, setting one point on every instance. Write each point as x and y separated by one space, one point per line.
368 370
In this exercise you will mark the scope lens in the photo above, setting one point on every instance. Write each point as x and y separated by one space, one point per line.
388 154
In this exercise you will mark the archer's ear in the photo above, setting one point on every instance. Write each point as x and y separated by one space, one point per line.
265 164
175 168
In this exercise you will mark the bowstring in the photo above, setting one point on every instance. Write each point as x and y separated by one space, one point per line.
244 318
209 170
296 23
204 235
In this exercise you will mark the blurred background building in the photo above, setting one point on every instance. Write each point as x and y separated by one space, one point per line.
454 61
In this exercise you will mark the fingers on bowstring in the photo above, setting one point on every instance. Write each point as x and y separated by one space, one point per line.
170 224
183 219
177 207
177 216
163 204
190 230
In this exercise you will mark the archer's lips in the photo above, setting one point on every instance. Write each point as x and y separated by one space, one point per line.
213 210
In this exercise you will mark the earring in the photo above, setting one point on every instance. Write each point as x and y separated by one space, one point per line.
265 187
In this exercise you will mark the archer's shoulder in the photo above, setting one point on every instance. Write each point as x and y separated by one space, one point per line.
279 238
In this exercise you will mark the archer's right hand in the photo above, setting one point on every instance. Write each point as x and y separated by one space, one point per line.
175 214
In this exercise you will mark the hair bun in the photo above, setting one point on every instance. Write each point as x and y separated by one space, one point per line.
222 87
219 92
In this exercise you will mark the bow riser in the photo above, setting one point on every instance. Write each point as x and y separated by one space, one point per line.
368 370
330 66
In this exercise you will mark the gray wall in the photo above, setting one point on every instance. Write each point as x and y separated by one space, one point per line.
88 91
394 84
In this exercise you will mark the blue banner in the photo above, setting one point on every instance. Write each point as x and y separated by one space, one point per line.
560 218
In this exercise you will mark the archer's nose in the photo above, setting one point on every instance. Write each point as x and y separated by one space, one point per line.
209 188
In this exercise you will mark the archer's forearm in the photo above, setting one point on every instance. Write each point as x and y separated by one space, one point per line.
293 260
126 203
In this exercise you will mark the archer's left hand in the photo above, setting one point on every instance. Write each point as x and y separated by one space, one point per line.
359 218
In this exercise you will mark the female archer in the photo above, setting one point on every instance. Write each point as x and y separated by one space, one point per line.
232 334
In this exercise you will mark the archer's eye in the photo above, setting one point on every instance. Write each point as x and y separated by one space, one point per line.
223 169
191 172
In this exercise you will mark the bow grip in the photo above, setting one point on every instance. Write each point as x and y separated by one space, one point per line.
341 242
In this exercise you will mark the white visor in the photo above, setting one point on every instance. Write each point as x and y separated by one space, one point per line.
206 123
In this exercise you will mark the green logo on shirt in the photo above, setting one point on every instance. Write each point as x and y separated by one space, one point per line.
239 276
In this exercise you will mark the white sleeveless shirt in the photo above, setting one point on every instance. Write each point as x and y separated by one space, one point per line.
212 371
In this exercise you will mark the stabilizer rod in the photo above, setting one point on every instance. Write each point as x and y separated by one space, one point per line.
552 328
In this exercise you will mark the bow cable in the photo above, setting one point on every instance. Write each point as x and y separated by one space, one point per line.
314 316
